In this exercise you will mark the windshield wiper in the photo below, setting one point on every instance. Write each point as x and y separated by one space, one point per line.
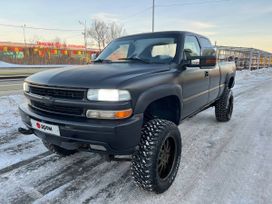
102 60
134 59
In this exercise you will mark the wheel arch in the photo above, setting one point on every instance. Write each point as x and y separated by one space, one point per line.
230 80
163 94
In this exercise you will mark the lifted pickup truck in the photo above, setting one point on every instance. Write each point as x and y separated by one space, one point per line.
130 101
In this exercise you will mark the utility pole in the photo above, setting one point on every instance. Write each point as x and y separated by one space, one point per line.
153 15
85 37
26 51
24 26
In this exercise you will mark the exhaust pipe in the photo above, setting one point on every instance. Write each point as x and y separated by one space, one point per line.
25 131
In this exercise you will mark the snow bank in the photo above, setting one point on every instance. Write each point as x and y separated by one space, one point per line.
253 75
4 64
9 65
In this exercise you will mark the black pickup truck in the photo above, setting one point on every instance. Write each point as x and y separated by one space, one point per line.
130 101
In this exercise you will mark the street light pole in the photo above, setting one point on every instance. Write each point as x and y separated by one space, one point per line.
153 14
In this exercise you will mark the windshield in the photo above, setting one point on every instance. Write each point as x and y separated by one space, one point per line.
161 50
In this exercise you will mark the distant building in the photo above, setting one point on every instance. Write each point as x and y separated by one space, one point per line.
45 53
245 58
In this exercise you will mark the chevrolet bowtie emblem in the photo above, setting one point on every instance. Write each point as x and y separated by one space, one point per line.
48 100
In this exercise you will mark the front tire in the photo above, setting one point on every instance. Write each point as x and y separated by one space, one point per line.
156 162
58 150
224 106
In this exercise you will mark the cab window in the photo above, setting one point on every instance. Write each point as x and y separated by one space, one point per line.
191 46
205 43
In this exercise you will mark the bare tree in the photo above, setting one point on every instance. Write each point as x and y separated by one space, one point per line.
103 32
115 31
56 39
34 40
64 43
99 32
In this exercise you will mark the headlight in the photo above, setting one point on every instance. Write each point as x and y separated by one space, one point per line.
108 95
26 87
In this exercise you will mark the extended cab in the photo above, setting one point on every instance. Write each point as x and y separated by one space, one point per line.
130 101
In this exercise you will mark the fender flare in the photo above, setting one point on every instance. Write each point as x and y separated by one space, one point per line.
228 77
155 93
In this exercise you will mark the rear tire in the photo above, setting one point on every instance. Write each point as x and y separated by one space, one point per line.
58 150
156 162
224 106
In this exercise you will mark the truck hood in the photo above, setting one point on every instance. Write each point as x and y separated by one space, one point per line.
95 75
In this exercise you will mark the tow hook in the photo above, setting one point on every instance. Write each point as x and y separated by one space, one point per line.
25 131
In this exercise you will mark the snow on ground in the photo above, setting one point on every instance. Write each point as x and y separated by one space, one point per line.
4 64
221 162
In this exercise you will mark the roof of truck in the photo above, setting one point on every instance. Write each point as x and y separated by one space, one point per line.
163 33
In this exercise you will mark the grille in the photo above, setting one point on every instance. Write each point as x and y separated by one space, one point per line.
57 93
57 109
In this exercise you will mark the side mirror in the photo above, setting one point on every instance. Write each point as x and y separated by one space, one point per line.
208 59
93 56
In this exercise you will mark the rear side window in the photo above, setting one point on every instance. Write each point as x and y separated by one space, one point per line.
205 43
167 50
191 46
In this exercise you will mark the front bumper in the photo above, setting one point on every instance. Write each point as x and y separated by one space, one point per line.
118 137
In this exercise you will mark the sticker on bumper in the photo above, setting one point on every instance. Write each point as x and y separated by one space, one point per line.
44 127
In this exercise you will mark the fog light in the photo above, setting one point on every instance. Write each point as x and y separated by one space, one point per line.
116 114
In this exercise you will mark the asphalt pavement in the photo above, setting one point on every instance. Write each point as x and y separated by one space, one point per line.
11 86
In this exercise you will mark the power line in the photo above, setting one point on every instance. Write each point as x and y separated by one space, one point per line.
38 28
138 13
72 36
171 5
180 4
131 16
174 4
190 3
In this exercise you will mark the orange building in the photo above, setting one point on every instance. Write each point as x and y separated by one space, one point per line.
45 53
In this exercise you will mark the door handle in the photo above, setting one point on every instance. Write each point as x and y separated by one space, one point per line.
206 73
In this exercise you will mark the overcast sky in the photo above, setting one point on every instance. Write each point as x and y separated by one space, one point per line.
230 22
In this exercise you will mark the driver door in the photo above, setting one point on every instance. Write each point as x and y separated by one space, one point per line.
195 81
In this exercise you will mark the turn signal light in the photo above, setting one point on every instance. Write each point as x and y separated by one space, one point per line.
123 114
109 114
